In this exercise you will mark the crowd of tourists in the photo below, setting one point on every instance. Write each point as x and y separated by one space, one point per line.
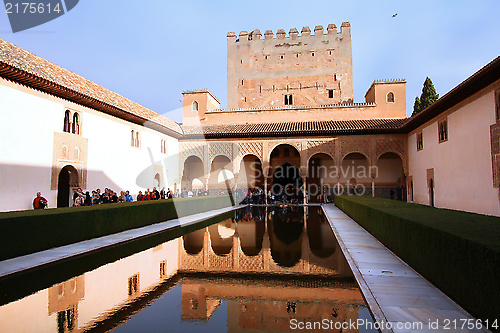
97 197
256 195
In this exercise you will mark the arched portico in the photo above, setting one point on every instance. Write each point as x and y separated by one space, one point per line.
193 169
285 177
355 173
389 178
250 172
221 173
321 176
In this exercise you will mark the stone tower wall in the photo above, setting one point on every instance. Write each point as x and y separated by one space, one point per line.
262 70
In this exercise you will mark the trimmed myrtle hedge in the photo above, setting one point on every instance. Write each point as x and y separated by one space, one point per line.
25 232
458 252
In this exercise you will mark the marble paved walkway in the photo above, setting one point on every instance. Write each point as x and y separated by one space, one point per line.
38 259
394 292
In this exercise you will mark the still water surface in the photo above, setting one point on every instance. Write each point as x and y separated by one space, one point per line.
255 270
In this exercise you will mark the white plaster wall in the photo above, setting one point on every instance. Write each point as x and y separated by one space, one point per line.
26 141
29 120
121 166
462 165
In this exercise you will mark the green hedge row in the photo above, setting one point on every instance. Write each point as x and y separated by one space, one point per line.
25 232
458 252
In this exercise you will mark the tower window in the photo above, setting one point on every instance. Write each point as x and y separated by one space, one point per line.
242 82
281 56
312 54
390 97
288 99
194 106
330 93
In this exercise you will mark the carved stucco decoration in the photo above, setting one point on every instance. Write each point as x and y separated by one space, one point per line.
353 146
297 144
251 148
320 147
224 149
391 145
193 149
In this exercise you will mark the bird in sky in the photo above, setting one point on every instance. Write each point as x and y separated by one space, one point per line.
395 15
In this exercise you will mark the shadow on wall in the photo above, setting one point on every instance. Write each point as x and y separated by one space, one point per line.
20 183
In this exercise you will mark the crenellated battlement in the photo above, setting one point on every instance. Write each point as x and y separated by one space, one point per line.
292 34
390 81
310 66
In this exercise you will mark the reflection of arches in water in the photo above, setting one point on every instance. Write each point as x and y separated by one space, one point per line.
221 237
322 242
286 227
193 242
68 177
288 224
251 235
286 258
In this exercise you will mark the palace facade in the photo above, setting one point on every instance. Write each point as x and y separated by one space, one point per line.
291 119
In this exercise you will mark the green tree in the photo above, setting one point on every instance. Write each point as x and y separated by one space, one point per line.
417 106
428 97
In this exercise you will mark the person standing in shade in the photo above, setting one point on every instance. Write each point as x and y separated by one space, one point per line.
399 192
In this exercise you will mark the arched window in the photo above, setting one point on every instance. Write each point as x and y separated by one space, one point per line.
76 124
163 146
67 123
194 106
137 140
132 141
390 97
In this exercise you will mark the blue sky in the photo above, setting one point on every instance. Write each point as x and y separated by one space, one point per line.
151 50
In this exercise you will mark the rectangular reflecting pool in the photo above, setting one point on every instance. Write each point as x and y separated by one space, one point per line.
257 269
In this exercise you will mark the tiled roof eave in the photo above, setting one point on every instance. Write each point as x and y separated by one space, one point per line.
20 76
212 135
